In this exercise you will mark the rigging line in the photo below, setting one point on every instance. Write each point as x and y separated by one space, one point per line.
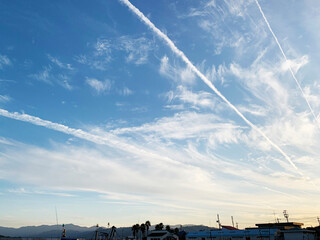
286 60
178 52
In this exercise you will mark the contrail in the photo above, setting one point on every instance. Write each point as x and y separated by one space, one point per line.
178 52
108 139
286 60
54 126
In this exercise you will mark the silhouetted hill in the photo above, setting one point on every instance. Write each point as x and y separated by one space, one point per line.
74 231
44 231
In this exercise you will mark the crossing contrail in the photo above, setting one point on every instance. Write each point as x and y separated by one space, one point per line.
178 52
286 60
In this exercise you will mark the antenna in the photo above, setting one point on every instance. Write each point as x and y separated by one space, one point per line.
232 221
218 221
286 215
55 207
56 215
274 214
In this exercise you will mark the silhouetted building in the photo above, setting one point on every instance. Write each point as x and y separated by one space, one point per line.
162 235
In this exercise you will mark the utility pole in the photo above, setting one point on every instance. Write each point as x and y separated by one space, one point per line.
218 221
232 221
97 233
318 220
286 215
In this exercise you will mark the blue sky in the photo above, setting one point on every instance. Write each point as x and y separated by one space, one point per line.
168 111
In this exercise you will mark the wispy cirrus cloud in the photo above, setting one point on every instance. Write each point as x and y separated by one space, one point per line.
138 49
39 192
191 99
295 64
59 63
48 76
44 75
56 72
5 98
208 175
215 18
149 154
183 126
4 61
262 82
104 50
176 73
100 87
125 91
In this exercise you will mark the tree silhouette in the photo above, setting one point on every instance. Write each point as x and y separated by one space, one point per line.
147 224
135 229
143 229
159 226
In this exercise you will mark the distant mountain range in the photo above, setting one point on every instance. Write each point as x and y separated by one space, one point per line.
74 231
45 231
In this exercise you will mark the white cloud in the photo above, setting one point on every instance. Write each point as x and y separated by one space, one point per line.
4 98
289 64
262 82
138 49
295 64
64 81
185 125
312 93
125 91
139 109
294 130
100 56
253 109
4 61
238 8
99 86
49 76
81 59
176 73
178 154
103 48
214 181
59 63
39 192
44 75
104 51
197 100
